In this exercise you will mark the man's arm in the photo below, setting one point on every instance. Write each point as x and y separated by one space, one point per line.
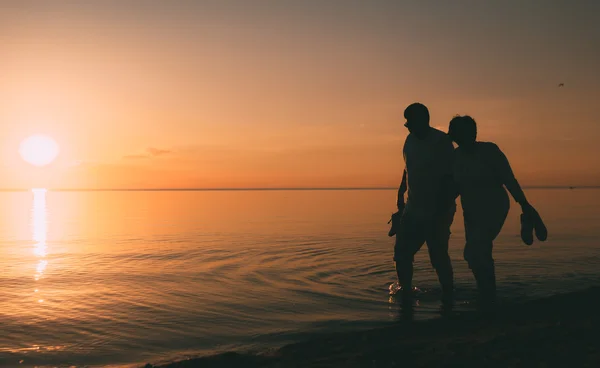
401 191
448 188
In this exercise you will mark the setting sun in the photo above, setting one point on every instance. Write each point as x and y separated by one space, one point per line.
39 150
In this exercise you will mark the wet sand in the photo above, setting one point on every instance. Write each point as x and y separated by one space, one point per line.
558 331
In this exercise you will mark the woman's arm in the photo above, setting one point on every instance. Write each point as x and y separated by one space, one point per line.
507 176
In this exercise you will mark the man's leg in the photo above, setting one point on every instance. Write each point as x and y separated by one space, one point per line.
437 245
409 240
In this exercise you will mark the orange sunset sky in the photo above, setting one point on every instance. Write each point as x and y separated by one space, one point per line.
180 94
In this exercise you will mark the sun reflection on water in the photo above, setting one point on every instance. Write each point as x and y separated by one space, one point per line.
39 227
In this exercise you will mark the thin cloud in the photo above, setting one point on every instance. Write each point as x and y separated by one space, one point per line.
152 152
157 151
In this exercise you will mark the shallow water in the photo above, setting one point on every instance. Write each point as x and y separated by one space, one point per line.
101 278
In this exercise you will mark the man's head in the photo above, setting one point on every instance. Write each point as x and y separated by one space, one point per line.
417 119
463 131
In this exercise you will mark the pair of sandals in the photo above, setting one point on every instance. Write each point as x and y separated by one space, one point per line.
532 222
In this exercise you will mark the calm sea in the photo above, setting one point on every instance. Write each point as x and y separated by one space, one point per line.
98 278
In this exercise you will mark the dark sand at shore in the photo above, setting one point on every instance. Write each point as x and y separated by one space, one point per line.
558 331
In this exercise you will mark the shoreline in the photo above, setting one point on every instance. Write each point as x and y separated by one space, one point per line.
560 330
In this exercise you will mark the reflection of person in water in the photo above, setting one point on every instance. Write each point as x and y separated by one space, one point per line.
481 171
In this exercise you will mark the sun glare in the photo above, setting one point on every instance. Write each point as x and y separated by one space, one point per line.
39 150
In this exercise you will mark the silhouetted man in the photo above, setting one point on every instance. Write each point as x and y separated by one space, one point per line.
431 202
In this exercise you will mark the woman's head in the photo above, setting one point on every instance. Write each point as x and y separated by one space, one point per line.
463 130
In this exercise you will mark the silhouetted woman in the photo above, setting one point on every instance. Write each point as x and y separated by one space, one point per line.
481 171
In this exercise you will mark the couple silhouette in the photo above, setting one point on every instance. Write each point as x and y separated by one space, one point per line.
435 175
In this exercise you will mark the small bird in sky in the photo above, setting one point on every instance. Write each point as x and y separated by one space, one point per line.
561 84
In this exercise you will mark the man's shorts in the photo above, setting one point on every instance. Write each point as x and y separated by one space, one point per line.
413 232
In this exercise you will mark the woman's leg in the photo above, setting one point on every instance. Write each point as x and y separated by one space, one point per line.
478 254
481 229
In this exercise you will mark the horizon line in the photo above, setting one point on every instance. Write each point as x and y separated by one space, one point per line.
217 189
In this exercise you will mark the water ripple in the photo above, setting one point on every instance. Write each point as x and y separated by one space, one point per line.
118 284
